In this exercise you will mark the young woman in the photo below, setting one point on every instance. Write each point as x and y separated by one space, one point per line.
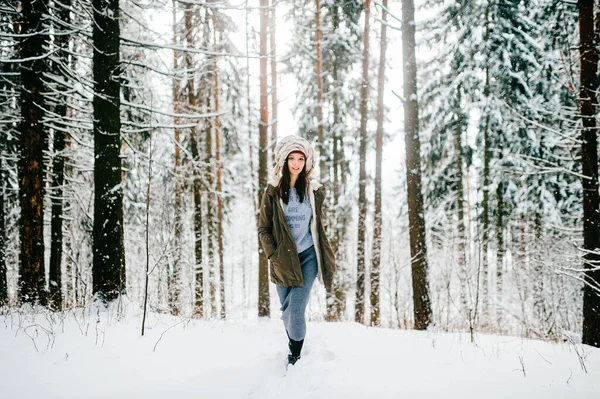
292 235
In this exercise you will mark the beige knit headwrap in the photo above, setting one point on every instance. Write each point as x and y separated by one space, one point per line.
288 144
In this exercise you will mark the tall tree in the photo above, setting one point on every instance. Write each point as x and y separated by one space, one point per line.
485 202
319 76
418 246
9 89
33 45
460 195
206 98
218 167
3 235
589 162
108 248
376 253
59 145
359 307
173 280
273 43
197 180
263 272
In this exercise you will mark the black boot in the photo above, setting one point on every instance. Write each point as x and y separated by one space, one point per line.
295 350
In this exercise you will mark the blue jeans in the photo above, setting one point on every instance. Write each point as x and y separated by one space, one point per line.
294 299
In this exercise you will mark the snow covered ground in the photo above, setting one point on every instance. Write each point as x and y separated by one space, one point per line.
77 357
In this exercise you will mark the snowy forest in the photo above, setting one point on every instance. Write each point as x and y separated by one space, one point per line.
456 140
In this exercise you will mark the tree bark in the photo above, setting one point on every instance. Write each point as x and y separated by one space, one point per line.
207 96
272 36
173 279
197 182
210 199
499 247
108 249
31 161
486 179
336 297
359 307
460 195
376 253
263 272
324 176
416 218
56 233
589 181
218 173
3 177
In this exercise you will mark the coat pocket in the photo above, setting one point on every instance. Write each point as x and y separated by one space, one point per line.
276 277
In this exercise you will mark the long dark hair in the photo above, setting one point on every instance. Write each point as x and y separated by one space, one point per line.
300 186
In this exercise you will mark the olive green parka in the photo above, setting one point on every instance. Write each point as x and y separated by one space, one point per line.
279 246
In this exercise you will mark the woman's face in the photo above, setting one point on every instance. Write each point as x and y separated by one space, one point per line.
295 163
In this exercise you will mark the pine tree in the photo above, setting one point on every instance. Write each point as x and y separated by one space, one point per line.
418 247
589 163
359 305
62 43
263 277
108 249
33 44
174 277
376 253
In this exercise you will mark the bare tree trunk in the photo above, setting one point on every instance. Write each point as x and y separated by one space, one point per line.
416 218
56 234
69 296
460 195
263 272
499 248
109 252
324 176
272 36
197 184
376 255
539 307
31 162
218 172
336 297
359 307
173 277
589 161
3 238
210 198
206 88
486 179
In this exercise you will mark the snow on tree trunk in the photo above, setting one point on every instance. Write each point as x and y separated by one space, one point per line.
416 218
3 235
108 249
589 181
485 203
56 234
174 276
219 187
196 171
359 307
376 253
